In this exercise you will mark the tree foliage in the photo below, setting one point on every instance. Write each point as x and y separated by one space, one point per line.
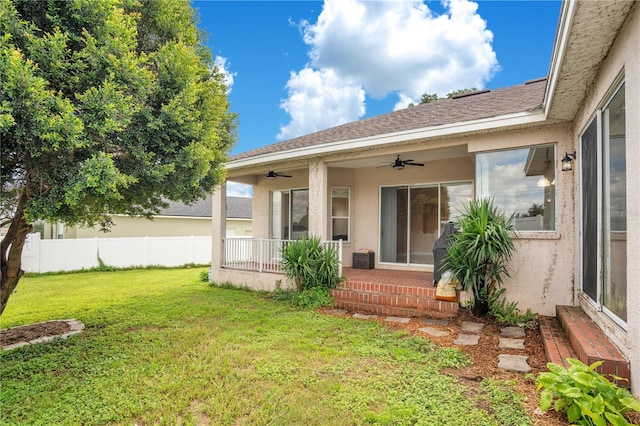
432 97
106 107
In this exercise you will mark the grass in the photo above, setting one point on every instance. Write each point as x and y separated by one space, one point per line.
162 347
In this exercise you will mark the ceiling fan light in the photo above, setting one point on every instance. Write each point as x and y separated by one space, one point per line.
271 175
398 166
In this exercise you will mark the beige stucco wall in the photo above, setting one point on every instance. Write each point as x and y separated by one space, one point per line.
124 226
239 227
623 59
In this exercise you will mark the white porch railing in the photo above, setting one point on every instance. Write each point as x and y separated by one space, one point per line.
262 255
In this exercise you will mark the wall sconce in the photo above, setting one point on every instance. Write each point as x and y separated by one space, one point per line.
567 166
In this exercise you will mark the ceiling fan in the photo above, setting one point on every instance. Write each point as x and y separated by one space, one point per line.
273 175
399 164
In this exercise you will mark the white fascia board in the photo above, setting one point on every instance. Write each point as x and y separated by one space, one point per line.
509 120
559 48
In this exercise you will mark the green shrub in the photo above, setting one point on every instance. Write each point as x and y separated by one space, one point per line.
509 313
313 298
585 396
480 251
308 263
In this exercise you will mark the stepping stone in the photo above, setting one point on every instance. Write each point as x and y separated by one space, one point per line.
512 332
363 316
506 343
400 320
517 363
434 321
336 312
467 339
433 332
472 327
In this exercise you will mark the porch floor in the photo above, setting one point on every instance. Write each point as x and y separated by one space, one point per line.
388 276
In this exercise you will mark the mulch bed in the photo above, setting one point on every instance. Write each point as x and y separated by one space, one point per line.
26 333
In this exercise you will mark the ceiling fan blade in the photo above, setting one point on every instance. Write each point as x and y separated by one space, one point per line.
413 164
282 175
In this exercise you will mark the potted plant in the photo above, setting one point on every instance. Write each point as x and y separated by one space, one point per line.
480 251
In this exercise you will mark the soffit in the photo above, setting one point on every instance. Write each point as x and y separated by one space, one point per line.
591 28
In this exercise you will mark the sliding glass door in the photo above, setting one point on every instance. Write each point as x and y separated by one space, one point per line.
412 218
604 209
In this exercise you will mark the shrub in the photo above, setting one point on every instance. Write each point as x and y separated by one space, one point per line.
585 396
510 313
480 250
310 264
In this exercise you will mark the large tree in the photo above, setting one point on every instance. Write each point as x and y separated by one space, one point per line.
106 107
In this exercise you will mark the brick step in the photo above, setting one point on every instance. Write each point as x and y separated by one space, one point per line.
591 344
395 300
392 311
556 343
409 290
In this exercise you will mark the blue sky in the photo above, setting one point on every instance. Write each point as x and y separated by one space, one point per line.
295 67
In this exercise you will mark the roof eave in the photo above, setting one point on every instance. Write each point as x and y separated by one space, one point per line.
461 128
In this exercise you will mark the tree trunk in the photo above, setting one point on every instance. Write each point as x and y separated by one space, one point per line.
11 253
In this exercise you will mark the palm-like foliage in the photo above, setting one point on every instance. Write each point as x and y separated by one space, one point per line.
480 251
308 263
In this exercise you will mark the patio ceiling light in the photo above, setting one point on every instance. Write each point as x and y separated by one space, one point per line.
567 165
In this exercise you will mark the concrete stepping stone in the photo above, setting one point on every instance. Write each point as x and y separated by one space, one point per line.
434 332
506 343
467 339
364 316
336 312
400 320
512 332
516 363
472 327
434 321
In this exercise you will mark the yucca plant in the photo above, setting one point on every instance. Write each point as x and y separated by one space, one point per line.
309 264
480 251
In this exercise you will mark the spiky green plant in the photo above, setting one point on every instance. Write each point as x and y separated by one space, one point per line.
308 263
480 251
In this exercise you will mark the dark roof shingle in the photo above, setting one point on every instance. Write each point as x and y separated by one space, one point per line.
521 98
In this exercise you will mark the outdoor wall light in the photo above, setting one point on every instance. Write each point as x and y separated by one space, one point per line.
567 165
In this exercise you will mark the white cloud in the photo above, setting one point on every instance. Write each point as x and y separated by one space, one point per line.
388 47
221 64
235 189
319 99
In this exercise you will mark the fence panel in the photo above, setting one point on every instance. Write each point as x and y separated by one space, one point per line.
83 253
68 255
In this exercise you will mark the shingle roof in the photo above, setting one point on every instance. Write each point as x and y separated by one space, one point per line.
521 98
237 208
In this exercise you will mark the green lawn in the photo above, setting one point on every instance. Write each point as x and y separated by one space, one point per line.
163 347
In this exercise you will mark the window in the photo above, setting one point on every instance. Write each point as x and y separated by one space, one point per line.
340 213
289 214
520 181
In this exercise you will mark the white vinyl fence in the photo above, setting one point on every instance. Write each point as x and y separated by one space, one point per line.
82 253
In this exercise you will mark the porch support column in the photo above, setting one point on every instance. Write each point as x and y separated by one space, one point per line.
318 216
219 225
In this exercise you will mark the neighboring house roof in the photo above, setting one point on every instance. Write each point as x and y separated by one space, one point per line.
237 208
525 97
